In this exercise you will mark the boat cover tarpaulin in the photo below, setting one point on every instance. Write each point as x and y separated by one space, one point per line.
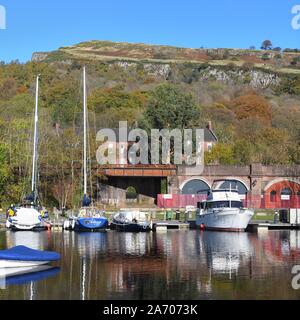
22 253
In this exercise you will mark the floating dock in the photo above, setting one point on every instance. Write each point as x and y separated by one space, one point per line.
255 225
168 225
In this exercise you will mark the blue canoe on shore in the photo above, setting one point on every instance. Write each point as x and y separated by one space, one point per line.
22 256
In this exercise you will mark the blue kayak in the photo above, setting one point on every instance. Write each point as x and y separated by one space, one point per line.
22 253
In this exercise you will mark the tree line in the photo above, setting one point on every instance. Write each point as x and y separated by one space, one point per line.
251 125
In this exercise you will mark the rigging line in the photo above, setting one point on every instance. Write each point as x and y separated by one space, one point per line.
90 162
95 135
85 130
28 156
72 161
88 145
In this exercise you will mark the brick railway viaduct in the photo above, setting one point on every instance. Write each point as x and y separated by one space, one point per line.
275 183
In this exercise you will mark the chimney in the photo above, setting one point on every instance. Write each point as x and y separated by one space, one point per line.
209 126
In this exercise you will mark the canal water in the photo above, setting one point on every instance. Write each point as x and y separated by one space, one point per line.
172 265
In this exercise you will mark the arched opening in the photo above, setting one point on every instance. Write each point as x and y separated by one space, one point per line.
235 184
195 186
286 191
131 194
273 195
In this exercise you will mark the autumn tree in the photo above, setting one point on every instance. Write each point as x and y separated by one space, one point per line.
252 106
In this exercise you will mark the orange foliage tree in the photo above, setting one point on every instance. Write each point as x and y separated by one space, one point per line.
252 106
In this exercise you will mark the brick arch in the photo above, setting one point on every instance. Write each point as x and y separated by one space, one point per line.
194 179
293 184
239 180
274 190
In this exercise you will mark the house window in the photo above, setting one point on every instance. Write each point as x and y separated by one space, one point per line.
209 147
286 194
273 196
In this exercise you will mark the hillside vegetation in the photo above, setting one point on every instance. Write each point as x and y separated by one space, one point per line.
253 103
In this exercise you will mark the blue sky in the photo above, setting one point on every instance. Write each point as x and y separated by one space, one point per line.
34 25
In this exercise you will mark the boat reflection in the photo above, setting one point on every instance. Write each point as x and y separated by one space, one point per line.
134 244
30 239
91 244
22 276
225 251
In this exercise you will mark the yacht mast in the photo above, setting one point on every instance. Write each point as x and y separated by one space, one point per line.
35 143
85 132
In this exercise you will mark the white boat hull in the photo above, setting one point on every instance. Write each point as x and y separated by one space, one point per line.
227 219
23 227
26 219
20 264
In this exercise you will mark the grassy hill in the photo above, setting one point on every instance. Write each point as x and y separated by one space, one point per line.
285 62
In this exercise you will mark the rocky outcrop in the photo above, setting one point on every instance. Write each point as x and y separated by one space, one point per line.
255 78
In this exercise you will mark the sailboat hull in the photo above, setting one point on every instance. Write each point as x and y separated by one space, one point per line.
26 219
91 224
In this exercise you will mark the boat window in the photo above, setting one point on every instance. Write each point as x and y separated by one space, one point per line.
224 204
221 204
201 205
217 204
237 204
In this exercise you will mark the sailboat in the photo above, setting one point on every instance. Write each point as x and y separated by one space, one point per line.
89 217
28 215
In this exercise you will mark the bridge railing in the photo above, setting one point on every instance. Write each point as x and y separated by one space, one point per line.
249 201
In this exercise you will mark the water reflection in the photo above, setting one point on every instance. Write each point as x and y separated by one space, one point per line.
90 245
33 240
225 251
172 265
21 276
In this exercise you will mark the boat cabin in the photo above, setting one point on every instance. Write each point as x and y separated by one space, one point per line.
89 212
221 199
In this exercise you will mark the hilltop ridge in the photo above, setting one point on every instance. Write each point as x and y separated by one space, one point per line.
285 62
